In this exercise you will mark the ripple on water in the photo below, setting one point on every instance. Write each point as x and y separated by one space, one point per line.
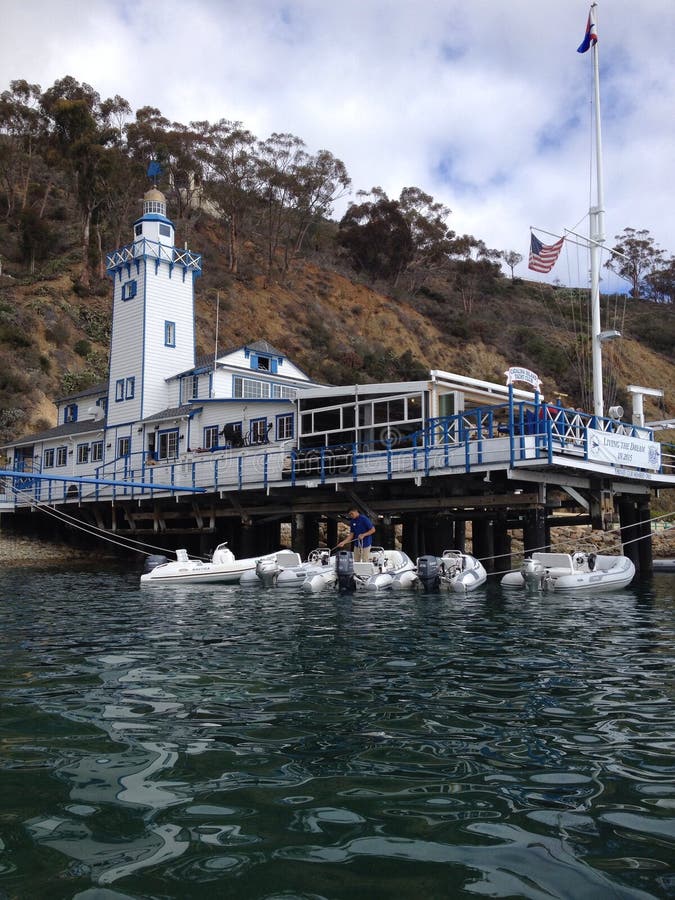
169 743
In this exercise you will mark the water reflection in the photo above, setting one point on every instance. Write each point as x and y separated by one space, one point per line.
173 742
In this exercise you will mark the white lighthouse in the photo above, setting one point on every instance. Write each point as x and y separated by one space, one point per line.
153 315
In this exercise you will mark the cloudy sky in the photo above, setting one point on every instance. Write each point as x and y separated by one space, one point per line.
486 104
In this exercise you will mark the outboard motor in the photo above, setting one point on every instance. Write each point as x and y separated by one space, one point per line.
344 567
151 562
267 569
429 573
533 574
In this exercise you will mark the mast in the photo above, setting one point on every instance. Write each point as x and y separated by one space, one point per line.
596 216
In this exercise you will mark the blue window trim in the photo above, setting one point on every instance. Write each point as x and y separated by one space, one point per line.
164 431
169 333
81 462
281 416
70 413
96 453
129 289
251 425
124 437
62 454
130 388
119 390
48 454
210 428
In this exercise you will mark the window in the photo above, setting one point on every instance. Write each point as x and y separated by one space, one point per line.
195 387
258 431
169 334
70 413
164 230
97 451
210 437
138 230
103 403
48 462
119 389
263 364
61 456
167 446
285 426
131 388
123 446
82 453
253 389
129 289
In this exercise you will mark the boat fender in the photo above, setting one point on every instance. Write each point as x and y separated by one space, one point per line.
591 561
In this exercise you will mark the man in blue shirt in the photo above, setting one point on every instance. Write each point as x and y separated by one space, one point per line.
362 531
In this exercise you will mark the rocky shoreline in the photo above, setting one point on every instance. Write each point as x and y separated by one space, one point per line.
24 551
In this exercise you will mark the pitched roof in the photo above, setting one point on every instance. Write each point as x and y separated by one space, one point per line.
101 388
68 429
174 412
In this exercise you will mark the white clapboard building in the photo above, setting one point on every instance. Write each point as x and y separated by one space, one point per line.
161 403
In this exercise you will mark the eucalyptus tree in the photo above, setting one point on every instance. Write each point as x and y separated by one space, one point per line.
376 236
296 190
390 238
22 129
512 259
636 256
82 135
431 237
231 179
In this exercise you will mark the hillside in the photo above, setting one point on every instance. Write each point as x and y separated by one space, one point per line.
383 295
341 329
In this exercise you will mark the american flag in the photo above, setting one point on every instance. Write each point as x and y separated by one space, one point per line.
543 258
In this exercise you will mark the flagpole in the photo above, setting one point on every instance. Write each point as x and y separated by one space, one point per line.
597 237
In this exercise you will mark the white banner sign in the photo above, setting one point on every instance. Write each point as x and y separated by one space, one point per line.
517 373
622 450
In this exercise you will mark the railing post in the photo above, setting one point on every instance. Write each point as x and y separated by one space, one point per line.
355 448
240 470
387 444
467 451
512 441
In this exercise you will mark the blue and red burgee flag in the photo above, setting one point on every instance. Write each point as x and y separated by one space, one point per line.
543 258
591 36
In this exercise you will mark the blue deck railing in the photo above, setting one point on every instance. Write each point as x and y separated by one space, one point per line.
504 435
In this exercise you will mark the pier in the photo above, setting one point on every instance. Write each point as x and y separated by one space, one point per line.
505 461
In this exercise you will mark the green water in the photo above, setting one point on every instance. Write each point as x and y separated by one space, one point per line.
221 742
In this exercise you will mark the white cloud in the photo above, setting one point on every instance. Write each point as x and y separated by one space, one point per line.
484 105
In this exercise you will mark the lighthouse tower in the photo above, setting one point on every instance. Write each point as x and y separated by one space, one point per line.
153 315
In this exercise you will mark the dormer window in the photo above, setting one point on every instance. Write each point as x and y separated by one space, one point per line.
70 413
263 364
